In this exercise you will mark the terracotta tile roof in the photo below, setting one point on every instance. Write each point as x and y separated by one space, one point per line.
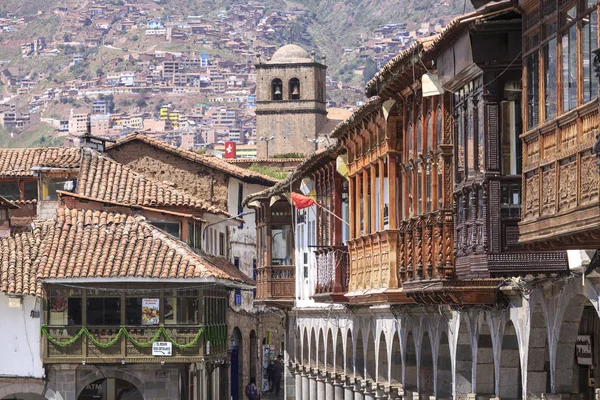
104 179
99 244
264 160
4 203
18 162
205 159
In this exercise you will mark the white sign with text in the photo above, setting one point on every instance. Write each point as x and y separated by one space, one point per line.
162 349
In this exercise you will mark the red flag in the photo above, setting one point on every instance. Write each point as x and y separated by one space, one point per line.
301 202
230 150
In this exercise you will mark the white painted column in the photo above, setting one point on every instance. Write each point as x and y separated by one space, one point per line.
329 393
358 393
320 389
298 388
338 391
312 388
305 388
349 392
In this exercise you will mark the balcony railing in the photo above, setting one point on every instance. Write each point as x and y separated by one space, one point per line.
333 274
276 285
68 344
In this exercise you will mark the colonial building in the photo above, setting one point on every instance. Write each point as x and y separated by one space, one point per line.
438 287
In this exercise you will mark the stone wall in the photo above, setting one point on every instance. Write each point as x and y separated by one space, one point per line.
194 178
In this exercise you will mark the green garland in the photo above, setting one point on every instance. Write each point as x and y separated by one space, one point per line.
216 335
122 332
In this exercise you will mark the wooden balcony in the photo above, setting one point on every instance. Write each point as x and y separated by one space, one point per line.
276 286
333 274
125 349
374 269
561 208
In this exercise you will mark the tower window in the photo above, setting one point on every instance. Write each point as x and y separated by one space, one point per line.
294 89
276 89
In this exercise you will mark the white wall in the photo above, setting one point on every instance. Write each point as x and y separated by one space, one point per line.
20 339
243 239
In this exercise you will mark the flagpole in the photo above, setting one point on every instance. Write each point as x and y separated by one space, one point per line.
323 208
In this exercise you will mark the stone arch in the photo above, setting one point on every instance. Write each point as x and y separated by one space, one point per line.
359 360
305 348
410 363
538 356
33 389
276 89
580 318
349 354
329 360
100 373
509 379
321 351
313 349
236 368
382 360
426 366
339 353
464 360
443 384
371 358
396 367
485 382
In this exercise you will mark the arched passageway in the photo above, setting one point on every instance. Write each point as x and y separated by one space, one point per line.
410 363
538 359
329 352
110 389
371 358
486 375
426 367
382 363
444 369
464 361
339 353
321 352
359 362
577 357
396 367
349 354
236 369
509 383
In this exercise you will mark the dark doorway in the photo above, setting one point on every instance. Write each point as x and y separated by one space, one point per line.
236 365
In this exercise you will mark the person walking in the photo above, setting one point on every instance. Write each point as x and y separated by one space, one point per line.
270 371
277 374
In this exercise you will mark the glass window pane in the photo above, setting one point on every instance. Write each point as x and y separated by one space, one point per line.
187 310
569 68
409 138
470 144
460 144
419 191
532 90
419 135
589 36
438 116
550 78
10 191
429 136
53 185
172 228
30 191
103 311
133 311
281 245
64 311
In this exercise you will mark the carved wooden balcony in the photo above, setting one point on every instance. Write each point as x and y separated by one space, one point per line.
125 349
561 208
333 274
374 269
276 286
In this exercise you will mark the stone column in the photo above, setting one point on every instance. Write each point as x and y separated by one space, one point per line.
369 394
320 388
349 392
329 393
298 391
338 391
358 392
312 388
305 388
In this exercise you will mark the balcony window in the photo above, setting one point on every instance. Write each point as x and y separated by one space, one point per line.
429 131
550 78
589 42
133 311
470 143
409 196
281 245
531 63
103 311
182 308
440 184
569 67
460 148
419 191
409 138
64 311
428 189
511 149
419 129
51 186
30 190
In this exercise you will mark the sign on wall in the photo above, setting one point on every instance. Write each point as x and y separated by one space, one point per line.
583 348
150 311
162 349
